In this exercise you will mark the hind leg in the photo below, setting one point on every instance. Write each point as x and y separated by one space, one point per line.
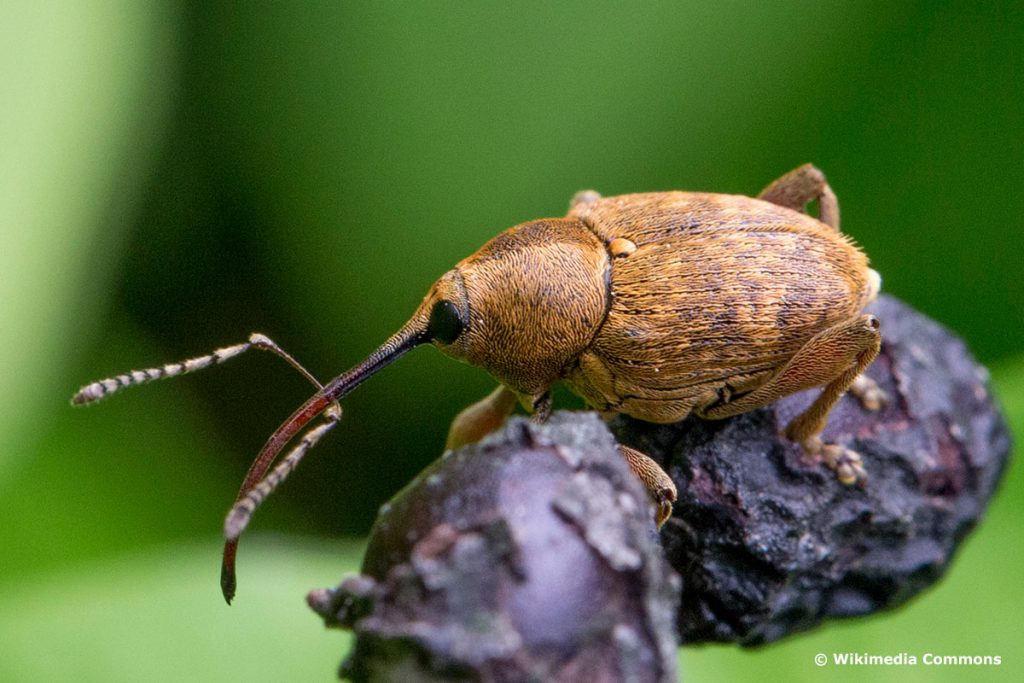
800 186
870 395
806 427
833 358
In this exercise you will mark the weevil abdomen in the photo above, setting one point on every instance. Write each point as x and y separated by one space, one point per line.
720 292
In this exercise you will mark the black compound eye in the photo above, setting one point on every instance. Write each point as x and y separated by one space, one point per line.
446 322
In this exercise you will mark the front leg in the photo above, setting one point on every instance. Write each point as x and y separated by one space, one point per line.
481 418
486 415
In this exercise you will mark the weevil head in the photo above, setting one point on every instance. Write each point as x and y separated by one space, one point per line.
525 305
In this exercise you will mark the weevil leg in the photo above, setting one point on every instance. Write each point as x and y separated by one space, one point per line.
830 354
481 418
659 485
833 358
801 185
806 428
541 407
871 396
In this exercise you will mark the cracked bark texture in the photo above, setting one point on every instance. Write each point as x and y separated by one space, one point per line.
532 555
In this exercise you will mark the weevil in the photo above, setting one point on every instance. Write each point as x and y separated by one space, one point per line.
657 306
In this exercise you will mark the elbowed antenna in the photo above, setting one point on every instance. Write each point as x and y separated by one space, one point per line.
258 484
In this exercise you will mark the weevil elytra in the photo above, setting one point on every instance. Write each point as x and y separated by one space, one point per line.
656 305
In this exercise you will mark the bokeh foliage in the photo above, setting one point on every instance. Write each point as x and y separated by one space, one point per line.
176 175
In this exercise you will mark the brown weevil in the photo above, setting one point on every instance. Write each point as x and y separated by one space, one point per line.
656 305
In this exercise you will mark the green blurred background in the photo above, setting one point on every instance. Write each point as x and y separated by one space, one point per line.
176 175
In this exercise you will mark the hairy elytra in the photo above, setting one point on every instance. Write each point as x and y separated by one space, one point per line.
655 305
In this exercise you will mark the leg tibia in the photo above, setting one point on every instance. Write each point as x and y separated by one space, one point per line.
833 358
805 428
824 358
812 421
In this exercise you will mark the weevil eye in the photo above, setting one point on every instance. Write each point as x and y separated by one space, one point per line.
446 323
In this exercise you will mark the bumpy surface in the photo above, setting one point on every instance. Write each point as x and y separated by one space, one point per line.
769 544
529 556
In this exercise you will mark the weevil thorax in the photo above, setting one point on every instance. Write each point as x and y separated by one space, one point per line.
525 305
